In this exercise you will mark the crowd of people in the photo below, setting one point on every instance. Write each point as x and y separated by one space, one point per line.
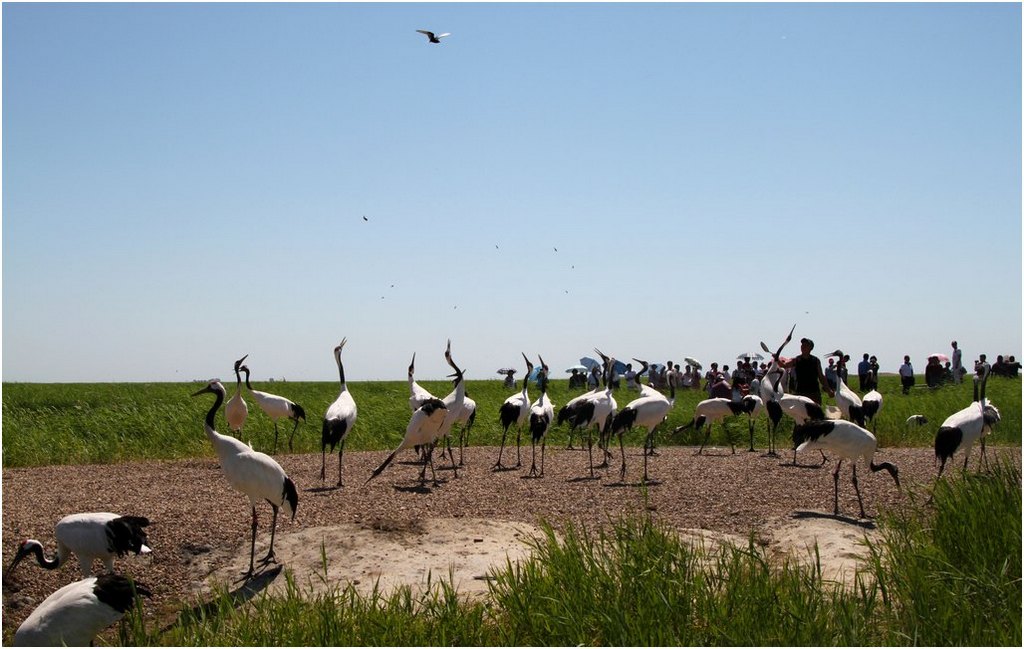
805 374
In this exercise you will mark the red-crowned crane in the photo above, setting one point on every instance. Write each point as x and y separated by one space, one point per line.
598 410
255 474
965 427
75 614
850 442
872 403
802 409
542 413
426 425
339 419
89 536
711 411
647 411
276 408
849 403
236 411
753 412
772 389
568 412
465 418
417 394
515 411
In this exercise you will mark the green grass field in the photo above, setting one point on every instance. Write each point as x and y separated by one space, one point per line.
102 423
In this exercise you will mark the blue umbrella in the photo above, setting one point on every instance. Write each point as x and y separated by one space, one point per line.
589 362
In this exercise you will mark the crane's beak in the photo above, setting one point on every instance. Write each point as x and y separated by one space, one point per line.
204 390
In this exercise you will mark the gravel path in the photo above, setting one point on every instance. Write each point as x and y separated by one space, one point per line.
194 511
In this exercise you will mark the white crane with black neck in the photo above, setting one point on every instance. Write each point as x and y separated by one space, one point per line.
89 536
428 423
647 411
515 411
255 474
338 420
236 411
542 412
965 427
276 408
848 441
72 616
598 410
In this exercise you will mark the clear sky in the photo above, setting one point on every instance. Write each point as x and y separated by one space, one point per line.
187 183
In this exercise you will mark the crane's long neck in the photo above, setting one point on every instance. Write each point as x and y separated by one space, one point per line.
246 370
341 372
238 381
37 549
210 427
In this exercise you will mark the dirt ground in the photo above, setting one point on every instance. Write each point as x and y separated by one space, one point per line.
398 531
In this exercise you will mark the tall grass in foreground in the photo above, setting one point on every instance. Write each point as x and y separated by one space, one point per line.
116 422
952 575
948 573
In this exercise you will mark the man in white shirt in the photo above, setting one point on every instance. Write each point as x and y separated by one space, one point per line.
907 375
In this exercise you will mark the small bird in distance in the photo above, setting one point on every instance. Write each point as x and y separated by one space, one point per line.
431 37
365 219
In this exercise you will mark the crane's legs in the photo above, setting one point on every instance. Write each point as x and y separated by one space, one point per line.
270 558
341 451
497 464
751 431
622 451
835 485
533 462
856 488
707 436
292 436
650 441
252 547
275 438
519 434
572 427
590 450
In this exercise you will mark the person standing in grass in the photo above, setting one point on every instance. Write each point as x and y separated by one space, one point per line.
807 371
907 375
863 370
958 366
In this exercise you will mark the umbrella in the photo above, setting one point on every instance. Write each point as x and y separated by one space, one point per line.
506 370
589 362
578 368
619 367
532 376
693 362
754 356
942 357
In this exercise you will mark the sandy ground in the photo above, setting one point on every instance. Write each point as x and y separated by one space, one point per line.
398 531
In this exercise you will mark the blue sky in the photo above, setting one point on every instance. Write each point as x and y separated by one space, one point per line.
186 183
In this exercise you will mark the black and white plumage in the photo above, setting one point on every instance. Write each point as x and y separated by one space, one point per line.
236 411
598 410
276 408
965 427
872 402
646 411
431 37
338 420
802 410
771 389
711 411
417 394
255 474
849 403
542 413
916 420
465 418
515 411
427 424
848 441
89 536
75 614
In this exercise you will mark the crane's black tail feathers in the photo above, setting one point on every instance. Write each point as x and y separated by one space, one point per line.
380 469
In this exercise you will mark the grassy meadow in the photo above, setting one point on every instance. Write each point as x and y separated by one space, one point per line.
948 572
78 423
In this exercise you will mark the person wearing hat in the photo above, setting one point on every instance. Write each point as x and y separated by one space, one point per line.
809 375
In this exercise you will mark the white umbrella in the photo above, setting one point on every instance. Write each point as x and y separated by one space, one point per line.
578 368
693 362
754 356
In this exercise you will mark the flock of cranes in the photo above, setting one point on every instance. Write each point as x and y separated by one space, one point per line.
75 613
